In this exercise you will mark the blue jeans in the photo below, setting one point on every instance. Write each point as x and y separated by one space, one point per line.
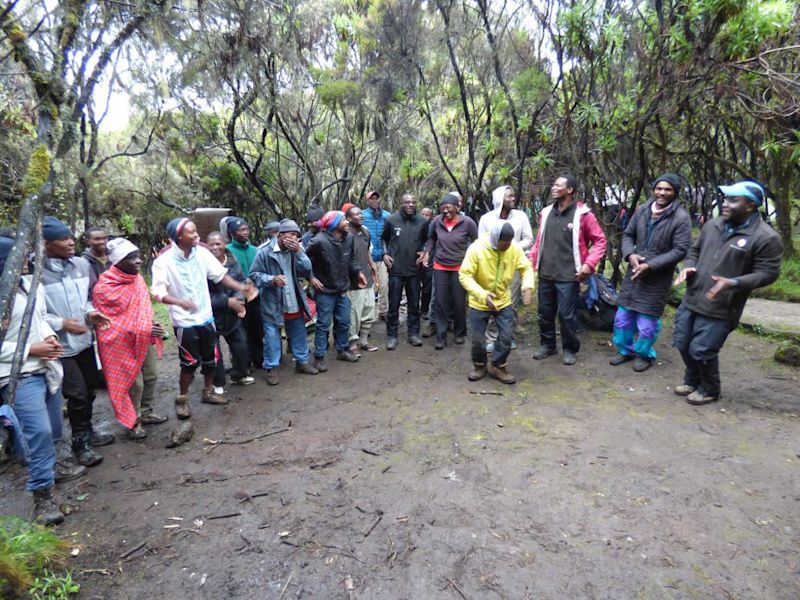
298 343
478 320
559 297
335 307
40 416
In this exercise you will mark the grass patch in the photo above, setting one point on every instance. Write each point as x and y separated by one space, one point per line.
31 558
787 287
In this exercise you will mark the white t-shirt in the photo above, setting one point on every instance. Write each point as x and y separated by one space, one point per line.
176 275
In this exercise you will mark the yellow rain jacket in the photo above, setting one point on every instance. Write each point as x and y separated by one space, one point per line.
486 270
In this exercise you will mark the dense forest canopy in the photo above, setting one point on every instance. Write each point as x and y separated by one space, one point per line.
268 106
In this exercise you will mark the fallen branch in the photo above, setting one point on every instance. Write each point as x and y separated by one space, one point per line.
247 440
223 516
132 550
485 393
375 524
370 452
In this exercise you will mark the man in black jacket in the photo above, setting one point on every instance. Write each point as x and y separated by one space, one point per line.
404 236
734 254
655 240
333 264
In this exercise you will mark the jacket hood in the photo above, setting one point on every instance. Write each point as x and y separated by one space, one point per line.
497 196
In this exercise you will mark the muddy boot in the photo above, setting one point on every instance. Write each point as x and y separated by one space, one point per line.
101 438
182 409
478 372
320 364
84 453
429 330
211 397
501 374
45 509
66 468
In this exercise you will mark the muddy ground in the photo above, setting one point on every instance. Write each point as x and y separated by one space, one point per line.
398 479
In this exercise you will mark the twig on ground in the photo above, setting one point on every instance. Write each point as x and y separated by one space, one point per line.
286 585
375 524
215 443
370 452
456 588
486 393
223 516
132 550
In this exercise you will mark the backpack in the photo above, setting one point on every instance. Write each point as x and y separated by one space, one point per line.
598 303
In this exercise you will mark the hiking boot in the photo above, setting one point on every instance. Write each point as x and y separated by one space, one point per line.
67 470
246 380
353 349
347 356
640 365
440 344
210 396
365 345
501 374
100 438
543 353
414 340
84 453
320 364
391 343
182 409
684 389
151 418
698 398
478 372
137 433
569 358
429 330
305 369
271 377
620 359
459 339
45 509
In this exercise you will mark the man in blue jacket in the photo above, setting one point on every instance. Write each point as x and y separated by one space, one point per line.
276 271
374 219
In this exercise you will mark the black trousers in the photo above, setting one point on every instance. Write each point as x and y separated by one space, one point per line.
81 379
398 283
425 290
254 331
559 298
451 302
699 339
240 356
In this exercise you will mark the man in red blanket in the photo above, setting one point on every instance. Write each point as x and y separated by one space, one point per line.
129 346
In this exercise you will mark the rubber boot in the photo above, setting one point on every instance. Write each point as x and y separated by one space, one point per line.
84 453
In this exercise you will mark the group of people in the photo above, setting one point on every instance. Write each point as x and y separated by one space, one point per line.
358 265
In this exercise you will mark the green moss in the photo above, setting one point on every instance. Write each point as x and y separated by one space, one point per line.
38 170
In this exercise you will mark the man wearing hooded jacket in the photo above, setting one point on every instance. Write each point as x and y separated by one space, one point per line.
655 240
568 246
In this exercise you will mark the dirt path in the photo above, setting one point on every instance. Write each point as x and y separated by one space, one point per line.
397 481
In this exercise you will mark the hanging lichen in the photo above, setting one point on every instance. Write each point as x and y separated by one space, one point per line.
38 170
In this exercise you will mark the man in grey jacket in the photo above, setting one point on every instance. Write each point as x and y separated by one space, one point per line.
655 240
66 280
734 254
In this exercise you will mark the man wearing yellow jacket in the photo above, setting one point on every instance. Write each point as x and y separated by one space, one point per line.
486 273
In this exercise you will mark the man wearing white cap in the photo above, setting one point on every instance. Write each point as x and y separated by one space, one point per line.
734 254
130 345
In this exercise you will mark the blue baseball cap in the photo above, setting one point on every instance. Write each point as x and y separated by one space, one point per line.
748 189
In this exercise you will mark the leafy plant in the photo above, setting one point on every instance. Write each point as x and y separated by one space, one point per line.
27 551
54 586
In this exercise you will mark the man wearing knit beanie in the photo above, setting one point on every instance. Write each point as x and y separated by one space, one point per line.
334 264
66 279
735 253
654 242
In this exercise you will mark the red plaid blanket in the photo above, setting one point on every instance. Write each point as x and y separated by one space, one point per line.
125 300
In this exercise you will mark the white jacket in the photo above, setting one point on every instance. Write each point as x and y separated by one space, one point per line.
523 234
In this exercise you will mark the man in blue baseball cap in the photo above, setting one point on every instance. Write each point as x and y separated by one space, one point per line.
734 254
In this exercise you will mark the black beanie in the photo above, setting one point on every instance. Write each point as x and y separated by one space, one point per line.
506 233
672 179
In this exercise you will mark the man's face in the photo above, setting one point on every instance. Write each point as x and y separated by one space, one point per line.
407 205
287 236
509 199
427 213
63 248
97 242
312 226
242 234
737 208
131 263
664 194
271 233
356 217
189 236
374 201
216 245
503 245
560 189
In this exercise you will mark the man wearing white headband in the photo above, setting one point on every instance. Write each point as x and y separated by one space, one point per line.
734 254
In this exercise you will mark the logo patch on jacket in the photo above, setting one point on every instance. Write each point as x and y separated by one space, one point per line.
741 243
